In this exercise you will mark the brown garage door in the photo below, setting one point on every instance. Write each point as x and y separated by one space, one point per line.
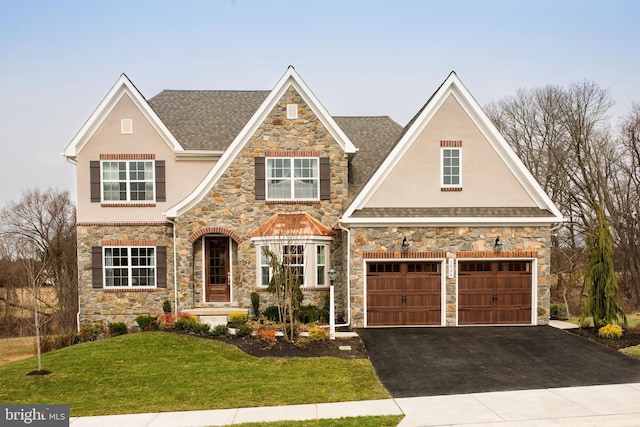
403 293
494 292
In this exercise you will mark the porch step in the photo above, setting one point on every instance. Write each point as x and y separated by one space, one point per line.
215 311
215 315
213 321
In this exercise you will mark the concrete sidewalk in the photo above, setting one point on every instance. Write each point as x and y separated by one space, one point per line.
603 405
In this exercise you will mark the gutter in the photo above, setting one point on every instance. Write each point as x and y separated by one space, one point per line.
348 277
175 268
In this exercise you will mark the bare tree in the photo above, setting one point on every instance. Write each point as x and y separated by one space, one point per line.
44 222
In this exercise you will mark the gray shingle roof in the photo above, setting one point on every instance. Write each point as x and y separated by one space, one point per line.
211 119
206 119
374 137
467 212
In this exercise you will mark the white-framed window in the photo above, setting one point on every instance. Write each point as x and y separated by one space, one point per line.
128 180
451 167
126 126
307 261
293 178
129 267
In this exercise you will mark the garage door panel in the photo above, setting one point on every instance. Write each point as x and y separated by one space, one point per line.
494 292
384 283
404 294
422 317
383 317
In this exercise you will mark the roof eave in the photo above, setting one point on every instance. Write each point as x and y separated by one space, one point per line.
448 221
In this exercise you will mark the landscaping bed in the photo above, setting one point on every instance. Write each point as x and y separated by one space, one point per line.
630 337
352 347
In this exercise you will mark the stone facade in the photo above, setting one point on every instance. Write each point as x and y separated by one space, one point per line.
120 305
232 206
385 242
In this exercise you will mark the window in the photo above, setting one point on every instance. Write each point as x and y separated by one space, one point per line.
292 111
129 267
265 266
293 178
307 262
321 265
451 167
128 180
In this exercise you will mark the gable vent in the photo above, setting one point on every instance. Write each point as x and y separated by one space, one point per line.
292 111
126 126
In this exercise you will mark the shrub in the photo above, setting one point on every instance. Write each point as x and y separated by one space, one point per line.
611 332
318 334
268 335
238 317
308 314
191 324
271 313
55 342
166 306
91 331
558 311
255 304
220 330
146 322
117 328
303 342
243 330
166 321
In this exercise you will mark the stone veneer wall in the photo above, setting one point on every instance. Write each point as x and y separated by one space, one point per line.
231 204
109 305
451 240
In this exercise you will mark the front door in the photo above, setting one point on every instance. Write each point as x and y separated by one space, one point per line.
217 286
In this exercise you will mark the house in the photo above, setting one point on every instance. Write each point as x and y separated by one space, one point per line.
184 196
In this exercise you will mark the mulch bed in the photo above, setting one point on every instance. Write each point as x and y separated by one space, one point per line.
328 348
629 338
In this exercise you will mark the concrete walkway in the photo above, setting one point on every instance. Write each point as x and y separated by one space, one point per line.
604 405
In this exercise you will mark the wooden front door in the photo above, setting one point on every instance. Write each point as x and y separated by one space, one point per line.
494 292
404 294
217 286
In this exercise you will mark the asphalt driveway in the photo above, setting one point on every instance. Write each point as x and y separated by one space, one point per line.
437 361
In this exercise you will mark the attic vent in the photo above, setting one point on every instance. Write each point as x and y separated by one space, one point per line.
292 111
126 126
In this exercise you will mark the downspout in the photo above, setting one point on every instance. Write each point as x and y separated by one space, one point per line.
175 268
348 277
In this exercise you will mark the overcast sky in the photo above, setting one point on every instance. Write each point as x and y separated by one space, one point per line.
58 59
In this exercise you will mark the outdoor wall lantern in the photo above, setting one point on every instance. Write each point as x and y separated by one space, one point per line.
332 275
497 245
405 244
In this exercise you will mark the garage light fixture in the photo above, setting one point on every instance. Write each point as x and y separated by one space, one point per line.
405 244
497 245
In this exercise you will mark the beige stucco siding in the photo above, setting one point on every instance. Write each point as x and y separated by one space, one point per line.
181 176
415 181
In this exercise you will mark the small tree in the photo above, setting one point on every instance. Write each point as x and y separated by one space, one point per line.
600 276
285 286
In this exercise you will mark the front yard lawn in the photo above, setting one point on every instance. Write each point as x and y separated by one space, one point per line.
159 372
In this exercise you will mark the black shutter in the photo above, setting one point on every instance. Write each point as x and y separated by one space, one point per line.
325 179
161 266
260 178
161 187
94 180
96 266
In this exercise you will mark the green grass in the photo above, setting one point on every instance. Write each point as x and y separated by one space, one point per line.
632 351
158 372
386 421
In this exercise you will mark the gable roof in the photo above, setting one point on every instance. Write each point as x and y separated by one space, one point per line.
374 137
288 225
206 119
548 212
122 87
290 78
